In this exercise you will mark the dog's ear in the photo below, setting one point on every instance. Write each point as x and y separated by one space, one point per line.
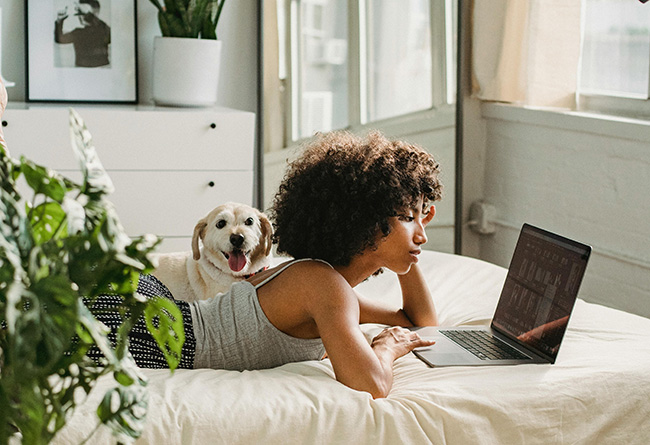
199 232
267 233
264 243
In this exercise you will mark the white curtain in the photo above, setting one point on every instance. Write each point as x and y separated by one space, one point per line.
526 51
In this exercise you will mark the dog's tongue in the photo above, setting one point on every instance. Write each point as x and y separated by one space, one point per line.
236 261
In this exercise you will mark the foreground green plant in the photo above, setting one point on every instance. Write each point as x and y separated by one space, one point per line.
65 243
189 18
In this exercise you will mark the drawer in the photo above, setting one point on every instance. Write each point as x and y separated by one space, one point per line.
147 139
171 203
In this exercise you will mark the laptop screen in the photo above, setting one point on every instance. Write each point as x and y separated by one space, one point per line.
540 290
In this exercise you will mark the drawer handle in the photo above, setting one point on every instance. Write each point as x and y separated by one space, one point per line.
211 184
5 123
213 125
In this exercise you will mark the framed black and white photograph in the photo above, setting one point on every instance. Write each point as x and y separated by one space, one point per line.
81 51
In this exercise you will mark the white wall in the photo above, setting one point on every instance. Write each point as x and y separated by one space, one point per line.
584 177
237 29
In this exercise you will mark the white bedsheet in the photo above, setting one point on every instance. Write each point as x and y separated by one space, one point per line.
598 391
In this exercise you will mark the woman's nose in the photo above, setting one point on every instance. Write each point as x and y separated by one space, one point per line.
420 235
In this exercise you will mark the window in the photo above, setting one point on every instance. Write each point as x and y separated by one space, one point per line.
355 62
397 58
615 68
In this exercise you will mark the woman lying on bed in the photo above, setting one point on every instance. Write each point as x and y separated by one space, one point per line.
347 208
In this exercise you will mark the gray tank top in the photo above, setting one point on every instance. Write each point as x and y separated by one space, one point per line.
232 332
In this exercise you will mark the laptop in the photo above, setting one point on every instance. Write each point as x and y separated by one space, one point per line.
533 311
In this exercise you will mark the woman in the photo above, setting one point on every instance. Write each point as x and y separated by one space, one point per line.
347 208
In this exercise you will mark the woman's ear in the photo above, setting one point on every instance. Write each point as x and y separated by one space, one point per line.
199 232
427 219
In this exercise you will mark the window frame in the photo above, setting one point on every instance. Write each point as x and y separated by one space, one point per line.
614 104
441 114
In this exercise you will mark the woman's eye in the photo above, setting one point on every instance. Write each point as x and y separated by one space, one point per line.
249 222
221 224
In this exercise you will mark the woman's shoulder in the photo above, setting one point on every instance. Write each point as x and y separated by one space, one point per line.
318 283
311 272
292 267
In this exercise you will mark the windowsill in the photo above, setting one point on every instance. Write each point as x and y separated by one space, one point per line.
611 126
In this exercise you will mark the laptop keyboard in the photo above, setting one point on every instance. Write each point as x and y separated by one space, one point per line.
483 345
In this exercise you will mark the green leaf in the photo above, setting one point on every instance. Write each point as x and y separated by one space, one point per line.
9 171
96 331
208 30
46 219
164 25
129 373
96 180
43 180
124 411
165 323
197 13
189 18
75 215
15 228
116 235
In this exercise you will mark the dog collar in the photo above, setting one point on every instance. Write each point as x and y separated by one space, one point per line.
246 277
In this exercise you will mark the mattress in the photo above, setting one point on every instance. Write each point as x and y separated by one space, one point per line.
598 391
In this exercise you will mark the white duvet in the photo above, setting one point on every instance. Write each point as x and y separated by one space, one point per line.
598 391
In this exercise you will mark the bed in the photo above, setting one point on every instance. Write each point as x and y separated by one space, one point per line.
598 391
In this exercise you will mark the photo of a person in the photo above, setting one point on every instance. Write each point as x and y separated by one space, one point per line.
90 38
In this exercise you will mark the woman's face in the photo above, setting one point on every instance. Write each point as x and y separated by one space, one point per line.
400 249
84 12
82 8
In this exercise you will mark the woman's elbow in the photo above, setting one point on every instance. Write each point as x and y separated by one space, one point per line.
379 393
378 388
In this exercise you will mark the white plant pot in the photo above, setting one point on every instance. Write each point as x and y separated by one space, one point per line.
185 71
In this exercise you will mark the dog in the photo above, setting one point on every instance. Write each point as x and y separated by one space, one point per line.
236 243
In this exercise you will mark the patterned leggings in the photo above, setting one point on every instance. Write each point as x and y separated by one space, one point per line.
142 345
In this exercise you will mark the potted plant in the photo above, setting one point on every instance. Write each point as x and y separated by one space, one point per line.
186 58
61 243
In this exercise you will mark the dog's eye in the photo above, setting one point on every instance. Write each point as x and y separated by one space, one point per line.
249 222
221 224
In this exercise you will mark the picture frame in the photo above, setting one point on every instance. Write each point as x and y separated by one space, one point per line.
81 51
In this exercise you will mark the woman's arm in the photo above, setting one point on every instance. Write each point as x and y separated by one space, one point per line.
417 305
357 364
417 302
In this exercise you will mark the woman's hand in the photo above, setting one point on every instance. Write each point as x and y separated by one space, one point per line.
396 342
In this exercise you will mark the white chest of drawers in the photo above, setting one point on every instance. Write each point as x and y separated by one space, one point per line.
169 166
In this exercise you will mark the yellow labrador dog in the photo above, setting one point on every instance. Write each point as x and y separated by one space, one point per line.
236 243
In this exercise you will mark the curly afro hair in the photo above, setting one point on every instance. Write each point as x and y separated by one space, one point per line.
336 199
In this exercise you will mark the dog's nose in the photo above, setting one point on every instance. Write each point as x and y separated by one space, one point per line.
236 239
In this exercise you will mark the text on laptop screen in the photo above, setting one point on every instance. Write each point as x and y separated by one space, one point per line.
540 291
